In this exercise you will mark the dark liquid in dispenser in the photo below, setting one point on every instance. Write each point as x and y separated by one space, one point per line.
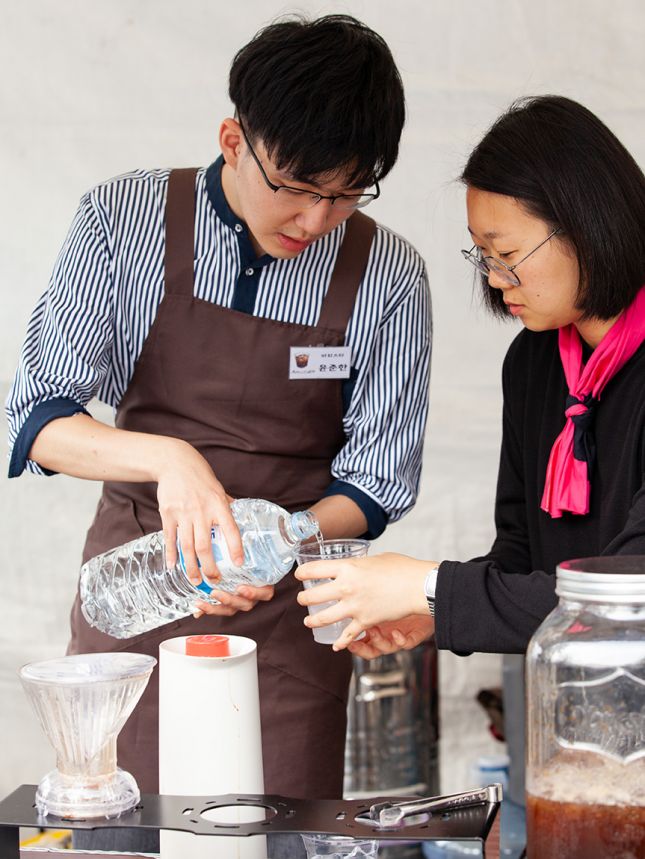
570 830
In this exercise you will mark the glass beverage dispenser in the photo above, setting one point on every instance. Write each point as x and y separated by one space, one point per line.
585 778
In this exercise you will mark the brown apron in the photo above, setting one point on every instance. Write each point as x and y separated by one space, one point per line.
219 379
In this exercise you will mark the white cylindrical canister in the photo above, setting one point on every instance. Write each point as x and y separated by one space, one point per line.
209 737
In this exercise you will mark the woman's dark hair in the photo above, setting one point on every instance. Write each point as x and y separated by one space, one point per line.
566 167
322 95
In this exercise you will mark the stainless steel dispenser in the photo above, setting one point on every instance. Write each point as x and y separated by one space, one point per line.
393 725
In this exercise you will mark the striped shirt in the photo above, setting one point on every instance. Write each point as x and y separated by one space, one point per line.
88 329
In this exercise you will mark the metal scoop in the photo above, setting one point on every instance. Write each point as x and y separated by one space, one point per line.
389 814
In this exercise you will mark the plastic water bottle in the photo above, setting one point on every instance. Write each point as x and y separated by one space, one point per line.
132 589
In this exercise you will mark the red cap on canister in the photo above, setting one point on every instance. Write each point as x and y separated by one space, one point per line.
207 645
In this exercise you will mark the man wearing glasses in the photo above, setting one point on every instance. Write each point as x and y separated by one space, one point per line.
182 298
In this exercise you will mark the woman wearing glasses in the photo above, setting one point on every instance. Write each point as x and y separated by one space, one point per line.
556 213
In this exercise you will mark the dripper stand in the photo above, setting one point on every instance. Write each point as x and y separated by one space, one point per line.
82 702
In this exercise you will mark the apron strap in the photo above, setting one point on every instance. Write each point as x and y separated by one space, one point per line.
346 278
179 269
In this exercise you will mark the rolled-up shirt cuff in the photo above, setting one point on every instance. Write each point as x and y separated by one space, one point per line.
41 414
376 516
443 630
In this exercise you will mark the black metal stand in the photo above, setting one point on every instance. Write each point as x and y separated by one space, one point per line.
281 815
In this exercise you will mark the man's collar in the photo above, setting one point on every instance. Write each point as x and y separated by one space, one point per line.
216 196
218 201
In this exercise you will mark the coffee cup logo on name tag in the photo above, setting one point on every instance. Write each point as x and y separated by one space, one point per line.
320 362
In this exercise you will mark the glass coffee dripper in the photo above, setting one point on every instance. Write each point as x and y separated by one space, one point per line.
82 702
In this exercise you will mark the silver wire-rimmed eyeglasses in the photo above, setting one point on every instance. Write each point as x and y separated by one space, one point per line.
506 272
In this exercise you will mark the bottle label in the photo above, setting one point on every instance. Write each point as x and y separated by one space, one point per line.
221 556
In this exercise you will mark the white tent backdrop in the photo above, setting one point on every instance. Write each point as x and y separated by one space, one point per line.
91 89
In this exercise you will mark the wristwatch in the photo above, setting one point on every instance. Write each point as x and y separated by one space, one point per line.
430 586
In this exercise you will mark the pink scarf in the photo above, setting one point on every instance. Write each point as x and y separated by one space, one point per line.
567 486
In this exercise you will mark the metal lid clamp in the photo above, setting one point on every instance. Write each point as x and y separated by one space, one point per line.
386 815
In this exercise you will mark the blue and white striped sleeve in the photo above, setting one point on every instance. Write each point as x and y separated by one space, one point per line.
66 349
380 465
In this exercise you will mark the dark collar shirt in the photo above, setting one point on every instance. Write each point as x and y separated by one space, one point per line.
88 329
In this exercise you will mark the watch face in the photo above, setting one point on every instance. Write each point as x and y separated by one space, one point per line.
430 587
430 583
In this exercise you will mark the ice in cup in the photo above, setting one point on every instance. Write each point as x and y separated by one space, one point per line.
329 550
339 847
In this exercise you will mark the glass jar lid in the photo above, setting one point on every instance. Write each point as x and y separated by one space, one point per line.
610 579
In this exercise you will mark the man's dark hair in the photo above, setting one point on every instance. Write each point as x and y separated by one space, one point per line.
322 96
566 167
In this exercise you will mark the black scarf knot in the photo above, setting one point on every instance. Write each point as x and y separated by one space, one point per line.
584 443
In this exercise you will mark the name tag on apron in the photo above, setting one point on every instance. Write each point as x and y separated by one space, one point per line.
320 362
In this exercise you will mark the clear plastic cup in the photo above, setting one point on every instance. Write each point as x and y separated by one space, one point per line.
329 550
339 847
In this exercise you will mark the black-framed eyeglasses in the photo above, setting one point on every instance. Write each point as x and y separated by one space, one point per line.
299 198
505 272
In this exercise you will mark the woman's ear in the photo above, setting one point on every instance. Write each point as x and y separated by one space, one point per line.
230 141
